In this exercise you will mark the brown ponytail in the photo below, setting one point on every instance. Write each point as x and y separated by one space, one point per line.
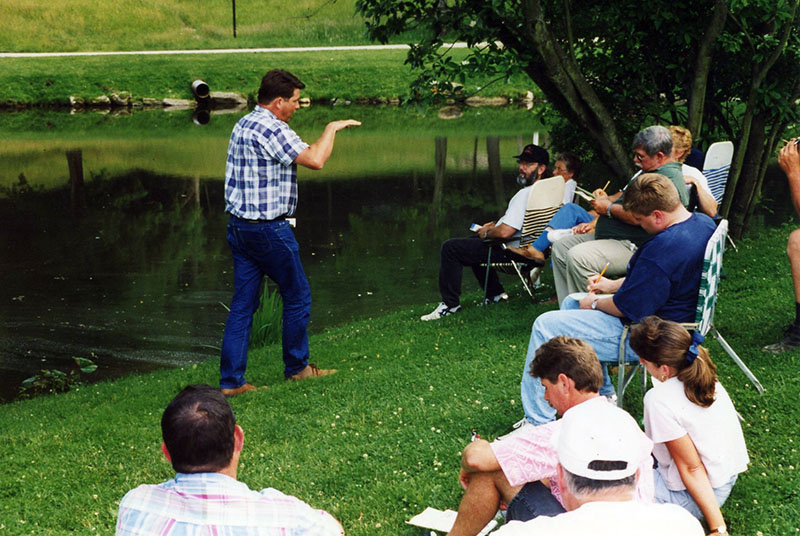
663 342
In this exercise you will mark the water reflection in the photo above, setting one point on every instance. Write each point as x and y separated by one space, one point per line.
130 266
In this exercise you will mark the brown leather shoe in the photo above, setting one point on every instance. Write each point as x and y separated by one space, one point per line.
311 371
246 388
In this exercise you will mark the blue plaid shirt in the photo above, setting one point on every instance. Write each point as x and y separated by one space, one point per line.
260 173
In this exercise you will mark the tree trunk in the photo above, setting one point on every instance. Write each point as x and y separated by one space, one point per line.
495 171
702 66
440 156
748 177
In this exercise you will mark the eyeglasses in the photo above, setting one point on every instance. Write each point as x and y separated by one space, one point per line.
638 157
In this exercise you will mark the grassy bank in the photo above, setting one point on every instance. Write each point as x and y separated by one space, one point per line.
328 75
380 441
80 25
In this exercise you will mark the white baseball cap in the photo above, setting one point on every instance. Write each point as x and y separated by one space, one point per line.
597 430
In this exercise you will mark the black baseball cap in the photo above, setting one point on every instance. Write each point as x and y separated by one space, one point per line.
534 153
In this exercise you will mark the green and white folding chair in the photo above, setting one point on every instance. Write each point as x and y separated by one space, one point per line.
707 300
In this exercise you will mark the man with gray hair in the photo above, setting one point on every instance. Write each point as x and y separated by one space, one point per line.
614 235
598 467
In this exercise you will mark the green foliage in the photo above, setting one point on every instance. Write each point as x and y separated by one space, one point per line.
267 320
386 432
49 381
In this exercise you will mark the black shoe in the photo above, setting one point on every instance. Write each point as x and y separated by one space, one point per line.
791 339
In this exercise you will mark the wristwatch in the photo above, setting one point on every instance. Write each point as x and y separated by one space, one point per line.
608 210
594 304
722 529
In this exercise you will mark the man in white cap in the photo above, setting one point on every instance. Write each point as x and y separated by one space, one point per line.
598 458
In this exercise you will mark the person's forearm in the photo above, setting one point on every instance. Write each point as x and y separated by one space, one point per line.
699 487
608 306
619 213
706 202
794 188
320 150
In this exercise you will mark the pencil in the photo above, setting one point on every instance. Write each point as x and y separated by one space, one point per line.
601 273
606 186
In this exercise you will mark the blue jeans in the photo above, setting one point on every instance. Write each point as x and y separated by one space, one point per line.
260 249
684 499
533 500
600 330
567 217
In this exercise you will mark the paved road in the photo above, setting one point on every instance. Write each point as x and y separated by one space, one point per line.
210 51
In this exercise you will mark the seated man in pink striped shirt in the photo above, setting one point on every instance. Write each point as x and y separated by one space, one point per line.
203 442
520 469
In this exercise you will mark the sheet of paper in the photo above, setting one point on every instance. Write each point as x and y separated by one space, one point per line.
442 520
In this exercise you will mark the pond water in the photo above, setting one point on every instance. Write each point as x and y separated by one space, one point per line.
131 268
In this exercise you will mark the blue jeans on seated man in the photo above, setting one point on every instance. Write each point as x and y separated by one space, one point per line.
260 249
600 330
533 500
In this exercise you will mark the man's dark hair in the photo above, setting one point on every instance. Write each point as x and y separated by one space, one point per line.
571 357
278 83
197 427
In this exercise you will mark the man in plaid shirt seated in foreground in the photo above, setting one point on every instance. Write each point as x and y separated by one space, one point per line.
203 442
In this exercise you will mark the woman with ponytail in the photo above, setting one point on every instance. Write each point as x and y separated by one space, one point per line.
698 442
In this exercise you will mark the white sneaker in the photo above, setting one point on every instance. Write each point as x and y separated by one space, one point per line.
441 310
497 299
518 427
557 234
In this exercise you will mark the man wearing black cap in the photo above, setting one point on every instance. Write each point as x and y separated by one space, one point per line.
472 251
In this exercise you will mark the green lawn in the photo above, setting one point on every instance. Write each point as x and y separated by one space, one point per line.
331 75
381 440
88 25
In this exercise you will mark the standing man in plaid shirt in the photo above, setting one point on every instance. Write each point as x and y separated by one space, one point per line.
260 193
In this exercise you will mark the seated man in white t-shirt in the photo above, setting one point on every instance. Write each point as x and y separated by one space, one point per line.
520 469
599 463
473 250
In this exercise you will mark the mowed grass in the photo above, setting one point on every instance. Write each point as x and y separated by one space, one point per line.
343 75
381 440
91 25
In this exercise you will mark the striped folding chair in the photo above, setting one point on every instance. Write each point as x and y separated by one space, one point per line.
717 166
544 201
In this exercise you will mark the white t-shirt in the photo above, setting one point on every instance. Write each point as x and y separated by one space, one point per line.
515 213
529 456
599 518
715 432
698 176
